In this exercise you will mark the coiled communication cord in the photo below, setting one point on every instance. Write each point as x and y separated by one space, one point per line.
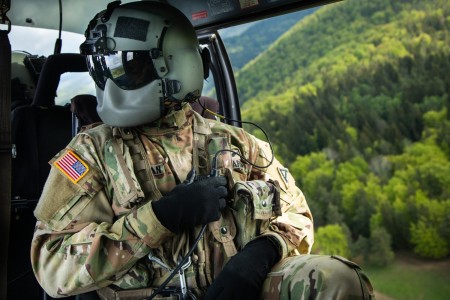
214 167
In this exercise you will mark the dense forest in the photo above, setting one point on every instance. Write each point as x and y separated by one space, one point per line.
244 47
245 42
355 99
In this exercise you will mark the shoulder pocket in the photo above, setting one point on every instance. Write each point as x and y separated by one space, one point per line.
65 193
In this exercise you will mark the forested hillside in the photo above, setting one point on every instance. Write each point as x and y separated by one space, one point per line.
355 98
245 46
247 41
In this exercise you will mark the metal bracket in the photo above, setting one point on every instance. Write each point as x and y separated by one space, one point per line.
5 5
9 149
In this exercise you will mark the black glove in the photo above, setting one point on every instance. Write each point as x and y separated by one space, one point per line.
243 276
190 204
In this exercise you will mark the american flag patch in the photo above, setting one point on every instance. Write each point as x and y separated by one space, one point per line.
72 166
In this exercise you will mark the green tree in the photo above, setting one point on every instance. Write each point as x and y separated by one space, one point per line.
360 249
427 241
331 239
314 174
355 98
380 253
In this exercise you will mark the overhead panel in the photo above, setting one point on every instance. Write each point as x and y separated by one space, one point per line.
204 14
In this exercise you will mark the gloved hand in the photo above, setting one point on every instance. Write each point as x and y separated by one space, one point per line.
190 204
244 274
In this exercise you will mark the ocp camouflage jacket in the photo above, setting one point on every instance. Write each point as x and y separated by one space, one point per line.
96 226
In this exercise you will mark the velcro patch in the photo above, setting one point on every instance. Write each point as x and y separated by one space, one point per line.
131 28
284 175
72 166
158 169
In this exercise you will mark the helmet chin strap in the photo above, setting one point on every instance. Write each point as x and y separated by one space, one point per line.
171 87
192 97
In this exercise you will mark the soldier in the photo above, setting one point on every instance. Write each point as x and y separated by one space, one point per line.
159 197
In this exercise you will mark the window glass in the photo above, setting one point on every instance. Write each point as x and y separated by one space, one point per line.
209 87
41 42
355 97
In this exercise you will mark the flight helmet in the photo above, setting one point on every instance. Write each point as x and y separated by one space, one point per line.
145 60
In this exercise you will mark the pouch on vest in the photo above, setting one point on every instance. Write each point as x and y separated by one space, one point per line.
224 232
253 205
216 144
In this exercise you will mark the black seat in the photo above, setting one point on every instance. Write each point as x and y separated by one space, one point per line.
38 132
84 110
204 105
41 129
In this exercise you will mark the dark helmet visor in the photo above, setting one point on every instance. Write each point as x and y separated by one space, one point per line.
129 70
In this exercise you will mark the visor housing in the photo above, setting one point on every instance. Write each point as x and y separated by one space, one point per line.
129 70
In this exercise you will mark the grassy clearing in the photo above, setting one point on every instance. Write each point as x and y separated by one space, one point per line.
410 278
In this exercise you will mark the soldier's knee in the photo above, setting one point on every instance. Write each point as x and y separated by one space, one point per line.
318 277
345 280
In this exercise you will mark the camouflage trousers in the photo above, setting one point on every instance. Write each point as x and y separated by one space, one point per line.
302 277
316 277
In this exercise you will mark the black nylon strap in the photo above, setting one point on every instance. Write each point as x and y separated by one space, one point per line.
5 153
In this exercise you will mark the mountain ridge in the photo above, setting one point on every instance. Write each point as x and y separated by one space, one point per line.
355 99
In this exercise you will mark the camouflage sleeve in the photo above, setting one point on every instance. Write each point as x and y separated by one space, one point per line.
294 228
83 241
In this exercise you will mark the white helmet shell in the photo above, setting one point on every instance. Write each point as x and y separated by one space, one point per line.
172 44
122 108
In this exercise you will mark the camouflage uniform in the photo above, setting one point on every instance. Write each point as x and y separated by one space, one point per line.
96 226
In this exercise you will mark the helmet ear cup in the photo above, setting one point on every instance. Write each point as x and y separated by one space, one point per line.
206 60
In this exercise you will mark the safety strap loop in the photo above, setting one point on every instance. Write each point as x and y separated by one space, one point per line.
5 145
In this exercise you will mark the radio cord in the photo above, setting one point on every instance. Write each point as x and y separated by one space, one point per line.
214 172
